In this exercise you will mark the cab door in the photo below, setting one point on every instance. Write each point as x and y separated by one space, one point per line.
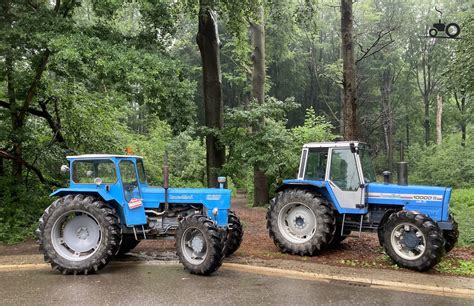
345 179
132 199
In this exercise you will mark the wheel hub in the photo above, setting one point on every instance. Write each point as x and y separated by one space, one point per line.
76 235
410 240
197 244
297 222
82 233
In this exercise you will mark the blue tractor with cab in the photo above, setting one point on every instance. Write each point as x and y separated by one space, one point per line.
109 208
335 194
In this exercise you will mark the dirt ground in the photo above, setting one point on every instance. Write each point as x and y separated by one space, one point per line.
356 252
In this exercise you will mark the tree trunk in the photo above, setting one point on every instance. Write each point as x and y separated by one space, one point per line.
208 41
439 115
387 116
349 111
426 122
260 179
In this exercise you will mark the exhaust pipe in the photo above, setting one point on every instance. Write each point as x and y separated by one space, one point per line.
166 179
402 168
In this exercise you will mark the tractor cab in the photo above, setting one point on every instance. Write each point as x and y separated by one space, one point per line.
344 168
115 177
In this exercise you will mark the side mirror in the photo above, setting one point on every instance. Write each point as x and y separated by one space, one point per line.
64 169
353 148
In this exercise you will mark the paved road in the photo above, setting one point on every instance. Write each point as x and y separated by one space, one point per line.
146 284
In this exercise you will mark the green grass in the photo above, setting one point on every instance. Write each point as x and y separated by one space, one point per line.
462 207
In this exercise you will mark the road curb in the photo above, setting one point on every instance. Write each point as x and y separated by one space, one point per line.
374 283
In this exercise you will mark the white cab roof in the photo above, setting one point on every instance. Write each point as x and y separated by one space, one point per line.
333 144
101 156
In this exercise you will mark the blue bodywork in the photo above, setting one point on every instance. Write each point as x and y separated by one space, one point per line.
433 201
151 197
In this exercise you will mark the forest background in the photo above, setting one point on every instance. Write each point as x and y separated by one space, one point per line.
103 76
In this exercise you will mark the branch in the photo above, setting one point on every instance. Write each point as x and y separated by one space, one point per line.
43 113
380 35
6 155
31 91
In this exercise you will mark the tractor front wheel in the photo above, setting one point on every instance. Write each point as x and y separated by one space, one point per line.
300 222
451 236
199 245
234 235
78 234
413 240
128 243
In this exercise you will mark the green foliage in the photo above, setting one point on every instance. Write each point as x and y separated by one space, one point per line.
448 164
462 207
20 209
257 136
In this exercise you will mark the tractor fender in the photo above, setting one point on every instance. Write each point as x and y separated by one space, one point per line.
317 187
92 191
382 223
102 194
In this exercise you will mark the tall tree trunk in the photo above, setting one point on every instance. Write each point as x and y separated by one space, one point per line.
387 116
208 41
349 111
439 116
260 179
426 122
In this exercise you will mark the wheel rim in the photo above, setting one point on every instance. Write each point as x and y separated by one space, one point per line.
194 245
408 241
297 222
76 235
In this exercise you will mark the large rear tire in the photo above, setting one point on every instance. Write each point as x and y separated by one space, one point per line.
78 234
300 222
199 245
234 235
413 240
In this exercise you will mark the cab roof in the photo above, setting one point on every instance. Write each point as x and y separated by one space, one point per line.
332 144
101 156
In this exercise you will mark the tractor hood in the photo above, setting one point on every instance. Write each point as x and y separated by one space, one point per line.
210 197
434 200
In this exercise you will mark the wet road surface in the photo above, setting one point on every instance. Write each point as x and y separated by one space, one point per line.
147 284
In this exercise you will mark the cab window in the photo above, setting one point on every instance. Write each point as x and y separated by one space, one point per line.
141 171
86 171
316 164
129 180
344 171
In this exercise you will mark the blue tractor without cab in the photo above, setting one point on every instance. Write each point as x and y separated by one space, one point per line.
335 194
109 208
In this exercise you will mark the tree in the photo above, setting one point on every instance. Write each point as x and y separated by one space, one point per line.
208 41
349 108
261 196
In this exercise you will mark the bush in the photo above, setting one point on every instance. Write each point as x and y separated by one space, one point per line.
20 210
448 164
462 207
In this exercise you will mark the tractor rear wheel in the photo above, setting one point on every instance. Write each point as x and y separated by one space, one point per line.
78 234
128 243
413 240
451 236
199 245
300 222
234 235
